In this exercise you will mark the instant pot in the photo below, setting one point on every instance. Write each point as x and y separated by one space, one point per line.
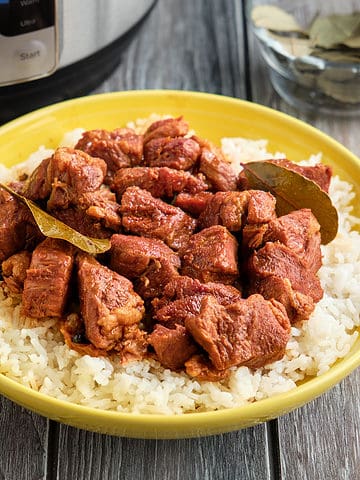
51 50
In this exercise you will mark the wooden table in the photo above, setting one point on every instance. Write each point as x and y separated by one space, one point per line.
198 45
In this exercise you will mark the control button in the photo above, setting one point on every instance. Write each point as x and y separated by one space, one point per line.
30 24
18 17
31 57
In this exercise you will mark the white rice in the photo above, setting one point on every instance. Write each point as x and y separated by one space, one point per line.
34 354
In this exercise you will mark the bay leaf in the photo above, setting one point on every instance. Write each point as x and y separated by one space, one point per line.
274 18
352 42
293 192
346 91
337 55
332 30
296 47
54 228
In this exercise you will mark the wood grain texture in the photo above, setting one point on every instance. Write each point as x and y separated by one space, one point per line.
185 45
85 455
322 439
198 45
23 440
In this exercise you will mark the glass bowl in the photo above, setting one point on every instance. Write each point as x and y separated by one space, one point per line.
310 78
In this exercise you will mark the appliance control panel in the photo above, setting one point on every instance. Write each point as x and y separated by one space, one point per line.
28 40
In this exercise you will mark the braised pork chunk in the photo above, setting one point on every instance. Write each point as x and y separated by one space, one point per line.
161 182
299 231
144 215
71 183
234 209
178 153
193 203
47 282
149 262
211 256
165 128
119 148
182 297
250 332
108 304
173 347
17 227
14 270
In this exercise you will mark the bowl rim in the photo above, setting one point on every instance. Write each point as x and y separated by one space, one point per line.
208 421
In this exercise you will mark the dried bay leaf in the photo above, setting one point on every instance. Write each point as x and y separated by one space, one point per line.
297 47
332 30
274 18
293 192
341 90
337 55
353 42
54 228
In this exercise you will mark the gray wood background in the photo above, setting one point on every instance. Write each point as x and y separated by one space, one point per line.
198 45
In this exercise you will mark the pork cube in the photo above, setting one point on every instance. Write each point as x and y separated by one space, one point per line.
261 207
179 153
14 270
133 344
225 208
279 260
251 332
216 169
299 306
108 303
193 203
173 347
65 176
166 127
234 209
182 297
147 261
211 256
159 181
300 231
144 215
101 206
120 148
47 282
17 226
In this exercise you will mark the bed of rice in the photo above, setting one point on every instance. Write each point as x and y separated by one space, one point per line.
34 354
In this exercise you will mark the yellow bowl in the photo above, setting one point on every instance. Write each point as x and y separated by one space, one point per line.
213 117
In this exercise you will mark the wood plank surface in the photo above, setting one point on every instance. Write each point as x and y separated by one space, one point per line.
23 441
187 45
198 45
84 455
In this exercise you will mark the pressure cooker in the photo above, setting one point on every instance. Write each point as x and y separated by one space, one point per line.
55 49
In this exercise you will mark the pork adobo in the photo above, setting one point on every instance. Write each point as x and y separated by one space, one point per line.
202 275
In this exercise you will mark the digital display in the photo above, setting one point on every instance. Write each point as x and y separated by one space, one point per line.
23 16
